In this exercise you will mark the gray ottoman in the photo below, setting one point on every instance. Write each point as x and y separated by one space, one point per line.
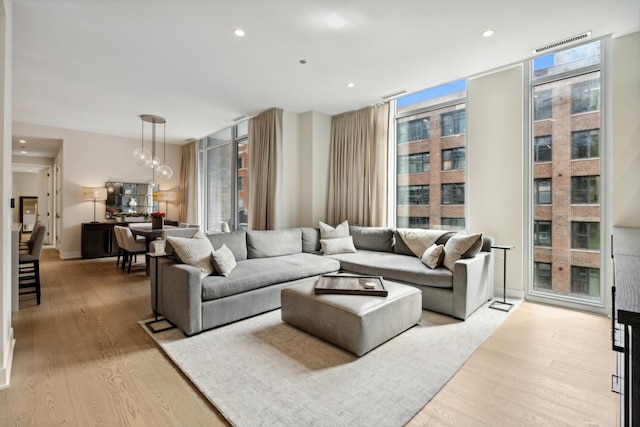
356 323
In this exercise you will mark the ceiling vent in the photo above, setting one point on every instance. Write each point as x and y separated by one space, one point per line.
394 94
563 42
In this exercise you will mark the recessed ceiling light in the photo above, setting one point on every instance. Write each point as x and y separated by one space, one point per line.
335 21
22 141
350 84
488 33
302 61
23 152
239 32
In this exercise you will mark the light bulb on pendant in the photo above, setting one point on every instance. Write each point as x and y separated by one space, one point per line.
164 172
141 156
152 163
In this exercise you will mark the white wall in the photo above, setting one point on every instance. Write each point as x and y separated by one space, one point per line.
496 168
7 342
24 185
90 160
626 131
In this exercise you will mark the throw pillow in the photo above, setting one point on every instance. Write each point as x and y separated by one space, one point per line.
457 246
433 256
195 251
328 232
340 245
223 260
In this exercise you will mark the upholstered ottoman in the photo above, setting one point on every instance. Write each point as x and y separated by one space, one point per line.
356 323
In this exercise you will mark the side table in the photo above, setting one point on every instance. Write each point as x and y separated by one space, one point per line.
158 324
503 305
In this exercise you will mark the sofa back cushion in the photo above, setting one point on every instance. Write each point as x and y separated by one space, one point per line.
379 239
270 243
236 242
310 239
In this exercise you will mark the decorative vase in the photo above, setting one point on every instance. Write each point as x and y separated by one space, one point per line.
157 222
133 202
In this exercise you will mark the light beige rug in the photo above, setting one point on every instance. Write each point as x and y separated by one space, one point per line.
263 372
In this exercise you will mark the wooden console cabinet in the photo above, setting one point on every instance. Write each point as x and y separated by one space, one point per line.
98 240
625 243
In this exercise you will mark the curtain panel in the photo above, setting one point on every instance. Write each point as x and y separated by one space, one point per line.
358 167
265 150
189 185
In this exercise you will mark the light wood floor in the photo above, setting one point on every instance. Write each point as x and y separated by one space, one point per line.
82 360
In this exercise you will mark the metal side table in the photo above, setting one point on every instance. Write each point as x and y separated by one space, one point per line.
158 324
503 305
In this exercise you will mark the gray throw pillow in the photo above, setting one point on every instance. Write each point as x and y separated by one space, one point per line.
433 256
195 251
223 261
328 232
372 238
458 245
341 245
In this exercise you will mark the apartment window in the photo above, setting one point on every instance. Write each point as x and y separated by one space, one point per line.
585 235
542 105
413 163
585 96
413 195
423 122
585 189
453 223
542 233
453 194
453 159
542 191
542 149
585 144
413 130
585 281
454 122
542 275
223 179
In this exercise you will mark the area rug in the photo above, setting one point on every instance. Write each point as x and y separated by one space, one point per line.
264 372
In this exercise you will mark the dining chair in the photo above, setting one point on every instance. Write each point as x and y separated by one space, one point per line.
29 266
132 248
117 231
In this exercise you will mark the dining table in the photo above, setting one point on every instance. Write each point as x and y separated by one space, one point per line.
150 234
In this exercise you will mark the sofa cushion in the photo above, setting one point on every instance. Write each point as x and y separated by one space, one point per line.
257 273
433 256
391 266
310 239
272 243
195 251
418 240
235 241
461 245
341 245
372 238
223 260
328 232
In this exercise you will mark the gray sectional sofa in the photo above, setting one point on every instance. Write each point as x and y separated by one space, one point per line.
268 261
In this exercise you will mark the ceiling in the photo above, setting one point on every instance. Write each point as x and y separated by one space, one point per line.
96 65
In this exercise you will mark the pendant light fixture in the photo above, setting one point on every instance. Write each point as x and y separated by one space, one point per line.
148 158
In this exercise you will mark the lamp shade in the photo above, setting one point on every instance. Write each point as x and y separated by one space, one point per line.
94 193
165 196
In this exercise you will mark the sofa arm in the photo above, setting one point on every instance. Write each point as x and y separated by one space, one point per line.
179 295
472 284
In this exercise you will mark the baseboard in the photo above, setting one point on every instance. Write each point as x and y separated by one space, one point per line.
511 293
70 255
5 371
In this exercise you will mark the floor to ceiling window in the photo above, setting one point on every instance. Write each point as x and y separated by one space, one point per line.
431 158
567 165
224 179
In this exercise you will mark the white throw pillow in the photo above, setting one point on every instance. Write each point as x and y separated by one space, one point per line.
340 245
195 251
458 245
328 232
433 256
223 260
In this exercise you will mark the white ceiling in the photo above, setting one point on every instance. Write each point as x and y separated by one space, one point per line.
96 65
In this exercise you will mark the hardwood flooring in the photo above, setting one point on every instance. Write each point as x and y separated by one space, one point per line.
81 359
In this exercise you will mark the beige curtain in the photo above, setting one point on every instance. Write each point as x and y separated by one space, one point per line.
189 184
358 167
265 148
